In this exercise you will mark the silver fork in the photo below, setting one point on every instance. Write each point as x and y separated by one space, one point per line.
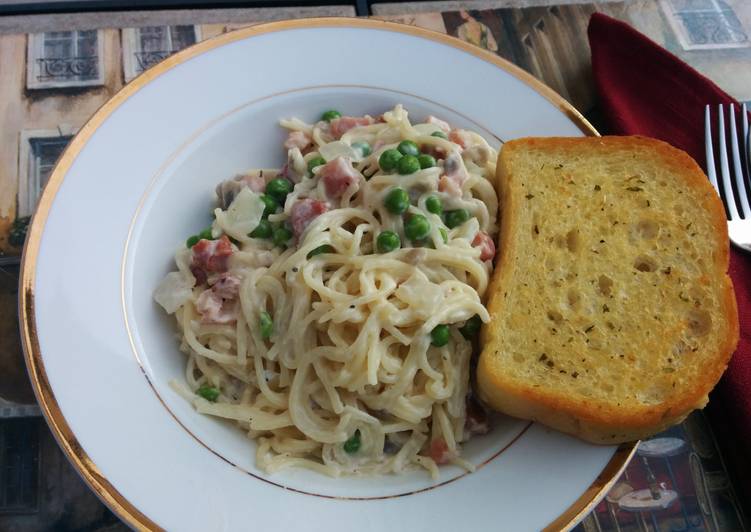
739 224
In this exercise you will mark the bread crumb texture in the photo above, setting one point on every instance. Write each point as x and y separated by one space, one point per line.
613 289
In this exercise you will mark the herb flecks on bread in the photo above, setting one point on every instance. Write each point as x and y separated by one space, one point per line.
612 313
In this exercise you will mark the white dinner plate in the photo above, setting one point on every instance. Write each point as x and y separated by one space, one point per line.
139 177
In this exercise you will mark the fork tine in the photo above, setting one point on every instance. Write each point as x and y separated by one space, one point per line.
725 169
746 146
737 168
711 171
745 141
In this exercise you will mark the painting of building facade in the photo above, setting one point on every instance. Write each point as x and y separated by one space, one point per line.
51 85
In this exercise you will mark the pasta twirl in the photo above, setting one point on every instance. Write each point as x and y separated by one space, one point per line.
329 311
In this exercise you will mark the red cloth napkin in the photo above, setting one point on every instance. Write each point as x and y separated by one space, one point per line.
646 90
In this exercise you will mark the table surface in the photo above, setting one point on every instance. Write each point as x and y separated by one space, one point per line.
38 488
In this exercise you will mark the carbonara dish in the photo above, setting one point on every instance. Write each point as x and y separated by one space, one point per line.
331 307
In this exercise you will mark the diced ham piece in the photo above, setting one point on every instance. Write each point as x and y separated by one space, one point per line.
226 286
477 417
256 183
338 175
339 126
210 256
438 122
449 186
209 304
298 139
217 304
436 151
295 168
487 247
214 309
303 212
228 190
455 137
455 175
439 451
460 137
199 274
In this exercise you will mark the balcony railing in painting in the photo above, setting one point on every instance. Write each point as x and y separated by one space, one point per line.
147 60
68 68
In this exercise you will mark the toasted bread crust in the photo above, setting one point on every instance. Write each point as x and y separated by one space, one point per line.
588 418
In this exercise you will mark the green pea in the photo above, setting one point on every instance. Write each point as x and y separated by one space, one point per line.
330 115
352 445
456 218
408 165
440 335
205 234
363 147
321 250
208 392
278 188
434 205
417 227
270 205
471 327
444 235
407 147
388 241
280 235
426 161
192 241
439 134
397 200
266 324
262 230
315 161
389 159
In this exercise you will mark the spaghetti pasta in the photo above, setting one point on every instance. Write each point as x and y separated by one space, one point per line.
329 310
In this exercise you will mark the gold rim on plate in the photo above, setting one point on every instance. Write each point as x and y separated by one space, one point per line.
29 337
